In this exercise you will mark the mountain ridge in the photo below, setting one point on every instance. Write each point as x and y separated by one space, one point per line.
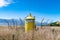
18 22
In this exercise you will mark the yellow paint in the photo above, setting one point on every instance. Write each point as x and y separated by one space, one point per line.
29 23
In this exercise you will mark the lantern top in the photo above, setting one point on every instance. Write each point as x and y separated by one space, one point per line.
30 17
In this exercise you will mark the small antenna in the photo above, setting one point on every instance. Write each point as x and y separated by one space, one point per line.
29 10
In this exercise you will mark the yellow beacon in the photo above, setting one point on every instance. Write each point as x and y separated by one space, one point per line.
29 22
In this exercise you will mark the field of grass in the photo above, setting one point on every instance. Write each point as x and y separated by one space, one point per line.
41 33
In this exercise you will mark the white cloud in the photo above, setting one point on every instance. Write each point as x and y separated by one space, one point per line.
4 3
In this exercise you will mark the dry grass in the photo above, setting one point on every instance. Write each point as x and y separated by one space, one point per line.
44 33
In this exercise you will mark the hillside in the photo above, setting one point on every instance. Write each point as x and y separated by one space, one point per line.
44 33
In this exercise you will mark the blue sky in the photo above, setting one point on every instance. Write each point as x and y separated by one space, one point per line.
48 9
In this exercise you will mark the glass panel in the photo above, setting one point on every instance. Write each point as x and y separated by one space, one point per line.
29 20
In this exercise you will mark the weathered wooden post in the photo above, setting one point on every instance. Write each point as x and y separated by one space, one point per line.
13 36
